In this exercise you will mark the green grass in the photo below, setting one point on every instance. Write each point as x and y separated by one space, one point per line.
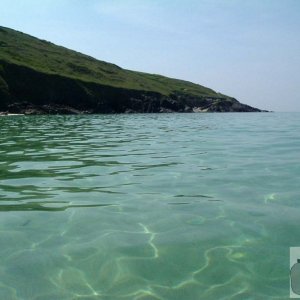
22 49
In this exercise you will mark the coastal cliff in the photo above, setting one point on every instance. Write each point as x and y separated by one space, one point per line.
38 77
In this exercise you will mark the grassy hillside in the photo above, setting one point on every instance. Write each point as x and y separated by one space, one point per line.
28 63
43 56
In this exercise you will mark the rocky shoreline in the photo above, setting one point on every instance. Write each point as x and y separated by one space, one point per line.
27 108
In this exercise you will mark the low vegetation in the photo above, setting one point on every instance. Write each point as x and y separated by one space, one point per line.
37 72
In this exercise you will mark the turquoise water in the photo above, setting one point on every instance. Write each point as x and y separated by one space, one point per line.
145 207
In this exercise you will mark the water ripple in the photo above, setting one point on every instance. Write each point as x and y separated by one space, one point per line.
168 206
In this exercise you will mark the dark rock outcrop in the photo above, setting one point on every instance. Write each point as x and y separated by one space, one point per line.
32 92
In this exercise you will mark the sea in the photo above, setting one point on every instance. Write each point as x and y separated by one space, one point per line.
149 206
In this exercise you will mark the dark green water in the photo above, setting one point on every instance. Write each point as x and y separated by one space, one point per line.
145 207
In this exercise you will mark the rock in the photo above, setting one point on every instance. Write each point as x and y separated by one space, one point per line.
165 110
188 109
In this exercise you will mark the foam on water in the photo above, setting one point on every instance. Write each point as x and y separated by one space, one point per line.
145 207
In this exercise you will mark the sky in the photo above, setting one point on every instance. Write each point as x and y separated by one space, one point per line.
247 49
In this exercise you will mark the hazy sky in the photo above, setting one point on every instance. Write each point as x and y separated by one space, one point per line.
248 49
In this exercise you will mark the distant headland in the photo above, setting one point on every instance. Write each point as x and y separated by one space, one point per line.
38 77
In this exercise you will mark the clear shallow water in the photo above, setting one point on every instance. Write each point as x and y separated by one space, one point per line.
145 207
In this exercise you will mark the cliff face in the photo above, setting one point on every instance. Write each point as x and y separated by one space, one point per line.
29 91
37 77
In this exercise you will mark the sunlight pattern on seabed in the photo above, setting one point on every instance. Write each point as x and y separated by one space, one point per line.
145 207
